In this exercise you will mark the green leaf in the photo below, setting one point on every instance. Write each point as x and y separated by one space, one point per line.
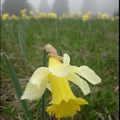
17 87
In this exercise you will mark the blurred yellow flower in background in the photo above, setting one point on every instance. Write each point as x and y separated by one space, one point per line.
31 13
14 17
43 15
103 16
72 15
52 15
79 14
36 14
5 16
86 16
23 12
63 15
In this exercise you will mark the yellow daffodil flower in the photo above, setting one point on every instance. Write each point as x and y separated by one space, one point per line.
103 16
86 16
79 14
43 15
23 13
13 17
5 16
56 78
114 18
72 14
64 15
31 13
52 15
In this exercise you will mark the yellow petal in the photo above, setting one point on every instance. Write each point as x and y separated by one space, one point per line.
60 89
57 68
32 91
39 75
66 109
64 103
82 84
66 59
86 73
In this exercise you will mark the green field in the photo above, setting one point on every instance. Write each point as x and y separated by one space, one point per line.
93 43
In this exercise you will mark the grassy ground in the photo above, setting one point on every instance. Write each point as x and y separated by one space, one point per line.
93 43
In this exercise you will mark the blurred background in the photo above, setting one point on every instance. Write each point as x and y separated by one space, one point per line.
91 42
59 6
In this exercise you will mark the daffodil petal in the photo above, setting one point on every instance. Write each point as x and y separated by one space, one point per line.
39 75
57 68
87 73
66 59
33 92
82 84
49 87
64 103
62 72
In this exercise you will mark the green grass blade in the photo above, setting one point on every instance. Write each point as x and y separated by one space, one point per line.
17 87
58 38
21 38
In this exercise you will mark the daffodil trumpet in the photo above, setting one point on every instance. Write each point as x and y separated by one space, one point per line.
56 78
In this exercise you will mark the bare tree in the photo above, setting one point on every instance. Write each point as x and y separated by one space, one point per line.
108 6
14 6
44 6
116 13
89 5
0 9
61 6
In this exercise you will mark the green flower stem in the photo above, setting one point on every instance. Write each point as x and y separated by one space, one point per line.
43 97
43 108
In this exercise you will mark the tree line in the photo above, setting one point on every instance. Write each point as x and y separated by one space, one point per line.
14 6
59 6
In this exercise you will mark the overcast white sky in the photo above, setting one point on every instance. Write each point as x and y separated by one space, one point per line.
108 6
35 3
76 5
